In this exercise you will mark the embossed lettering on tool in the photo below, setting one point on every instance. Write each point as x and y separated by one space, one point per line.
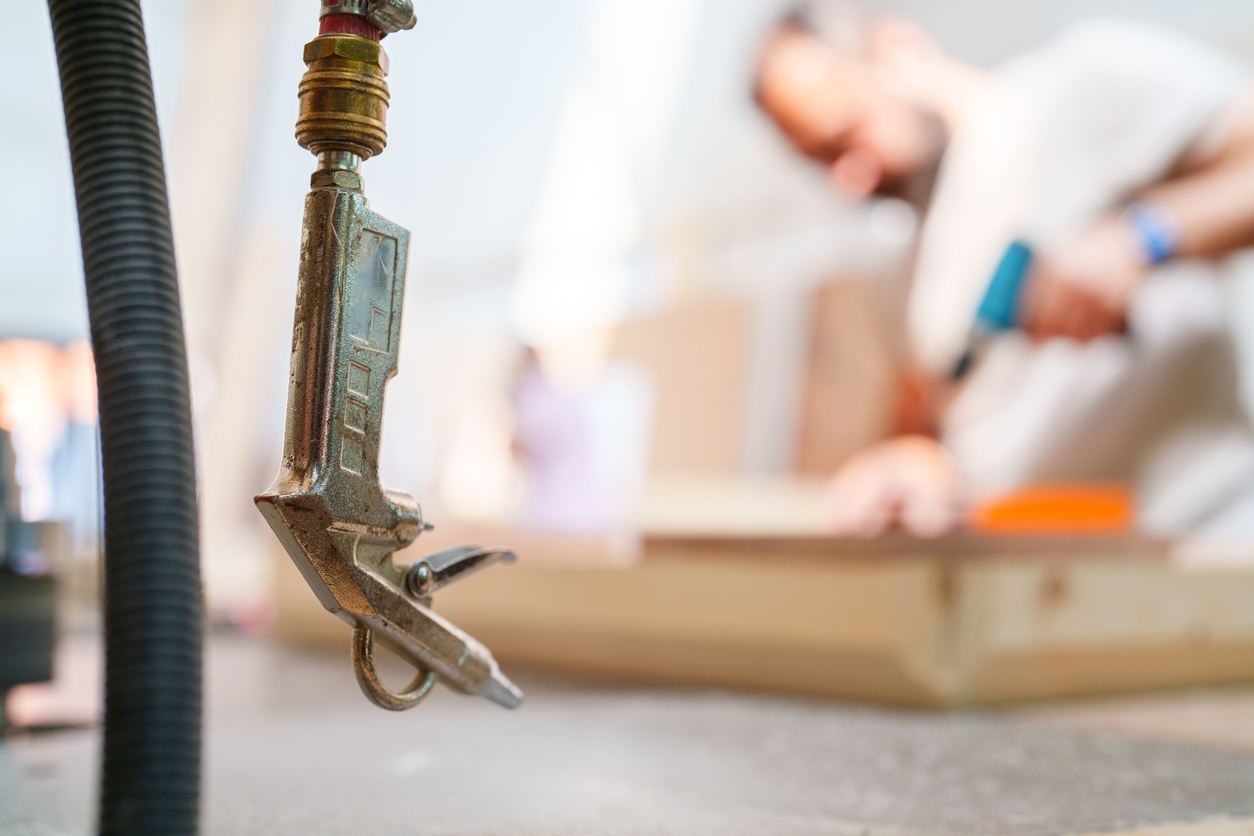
326 505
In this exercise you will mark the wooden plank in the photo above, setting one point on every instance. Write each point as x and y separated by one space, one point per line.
862 632
1065 626
957 548
954 621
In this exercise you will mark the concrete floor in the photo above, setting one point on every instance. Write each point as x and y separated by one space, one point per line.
292 747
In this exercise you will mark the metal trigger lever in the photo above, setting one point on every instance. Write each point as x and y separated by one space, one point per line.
336 522
445 567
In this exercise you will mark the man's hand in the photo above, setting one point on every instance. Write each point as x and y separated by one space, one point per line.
908 482
1082 288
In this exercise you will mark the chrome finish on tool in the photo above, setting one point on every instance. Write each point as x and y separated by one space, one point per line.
389 15
444 567
373 687
326 505
343 7
339 161
337 523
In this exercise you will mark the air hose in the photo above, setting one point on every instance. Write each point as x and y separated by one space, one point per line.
152 600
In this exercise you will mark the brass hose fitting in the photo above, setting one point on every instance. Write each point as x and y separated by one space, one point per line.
343 97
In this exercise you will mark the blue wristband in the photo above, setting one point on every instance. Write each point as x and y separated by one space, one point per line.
1155 230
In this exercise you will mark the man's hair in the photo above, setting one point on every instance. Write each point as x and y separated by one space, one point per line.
841 24
844 26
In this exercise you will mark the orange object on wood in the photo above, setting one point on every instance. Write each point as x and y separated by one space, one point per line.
1078 508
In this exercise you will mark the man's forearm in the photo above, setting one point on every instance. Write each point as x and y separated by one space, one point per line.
921 401
1213 207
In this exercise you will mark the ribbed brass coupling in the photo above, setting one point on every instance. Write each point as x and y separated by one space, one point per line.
343 97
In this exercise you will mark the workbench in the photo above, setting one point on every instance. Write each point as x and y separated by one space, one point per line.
947 622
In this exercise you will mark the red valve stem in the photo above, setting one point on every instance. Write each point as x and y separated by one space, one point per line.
349 25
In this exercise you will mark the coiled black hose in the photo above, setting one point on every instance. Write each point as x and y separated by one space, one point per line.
153 611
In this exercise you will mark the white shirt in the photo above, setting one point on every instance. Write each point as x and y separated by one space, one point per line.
1062 135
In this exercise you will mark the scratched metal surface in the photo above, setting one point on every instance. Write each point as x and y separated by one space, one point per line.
292 747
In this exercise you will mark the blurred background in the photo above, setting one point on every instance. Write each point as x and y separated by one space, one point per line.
610 241
641 334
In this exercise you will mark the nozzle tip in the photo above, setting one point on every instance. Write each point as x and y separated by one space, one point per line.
501 691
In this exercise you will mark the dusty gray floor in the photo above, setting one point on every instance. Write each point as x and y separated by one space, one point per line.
292 747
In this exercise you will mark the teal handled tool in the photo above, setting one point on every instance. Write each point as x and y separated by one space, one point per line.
999 309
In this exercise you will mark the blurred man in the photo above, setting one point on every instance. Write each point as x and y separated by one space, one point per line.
1124 154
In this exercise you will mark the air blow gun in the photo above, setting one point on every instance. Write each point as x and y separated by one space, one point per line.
336 521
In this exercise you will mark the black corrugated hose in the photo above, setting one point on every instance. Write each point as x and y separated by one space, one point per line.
153 610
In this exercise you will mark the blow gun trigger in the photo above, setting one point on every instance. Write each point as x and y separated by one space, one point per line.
444 567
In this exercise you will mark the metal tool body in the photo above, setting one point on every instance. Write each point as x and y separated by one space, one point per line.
336 521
